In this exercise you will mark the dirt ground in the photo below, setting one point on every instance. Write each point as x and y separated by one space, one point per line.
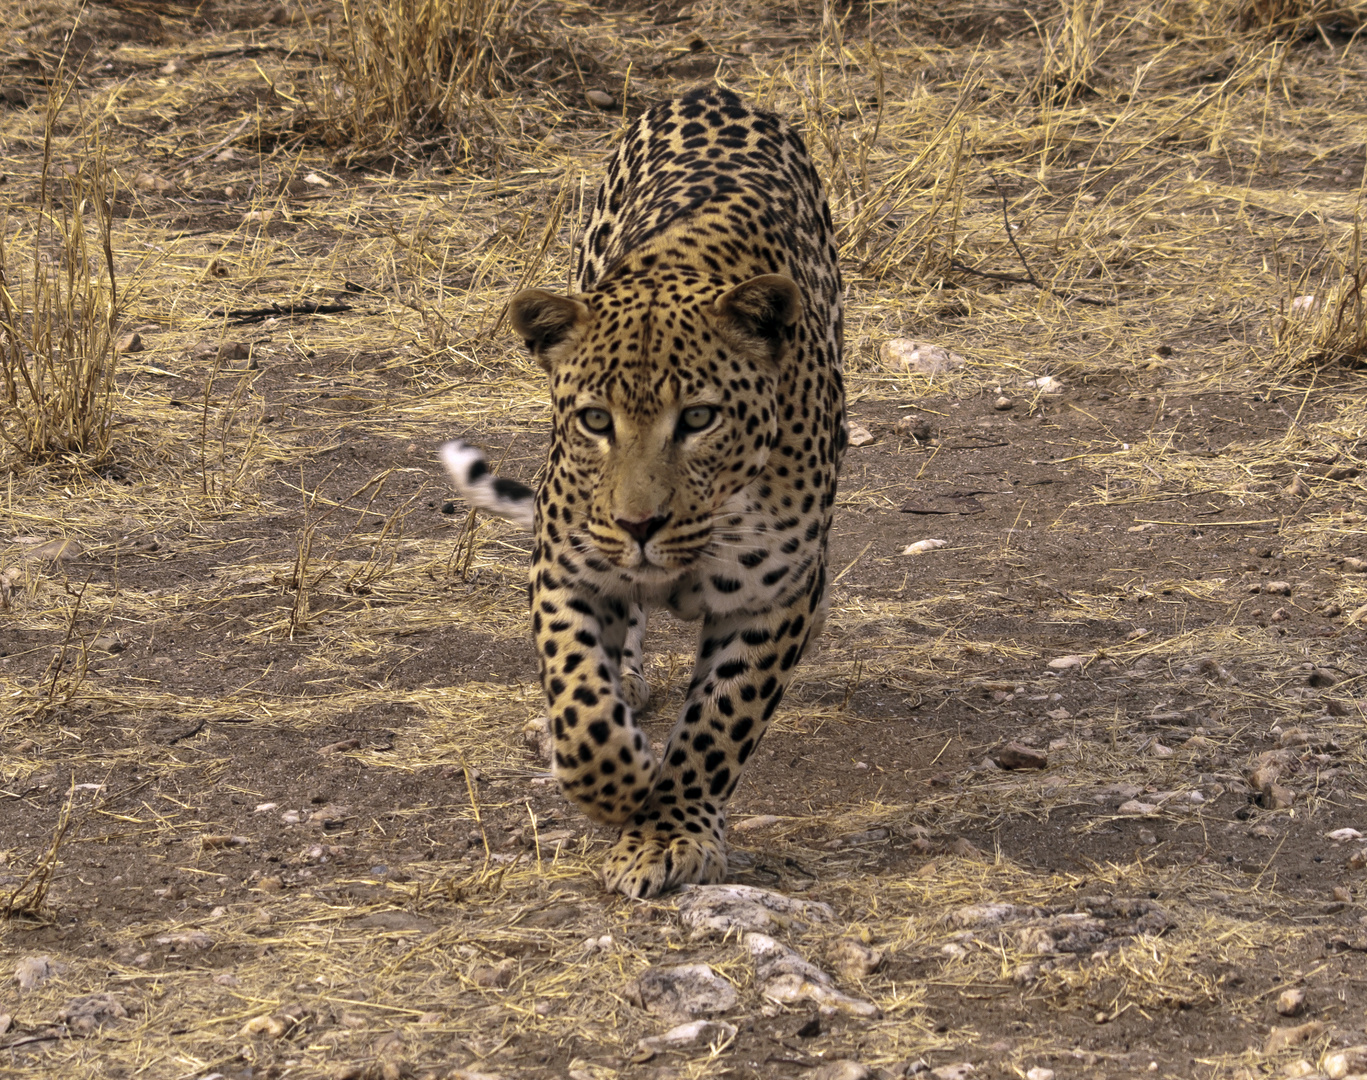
1086 781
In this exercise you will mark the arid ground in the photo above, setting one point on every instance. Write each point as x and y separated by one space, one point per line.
1084 786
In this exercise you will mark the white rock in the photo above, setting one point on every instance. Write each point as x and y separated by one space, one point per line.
1341 1063
720 909
1039 1072
961 1071
786 978
694 1033
982 914
683 991
32 971
904 354
1134 806
1045 384
860 435
922 546
1064 663
842 1070
759 821
1343 836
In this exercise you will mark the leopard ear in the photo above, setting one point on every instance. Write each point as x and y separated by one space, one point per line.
761 310
543 320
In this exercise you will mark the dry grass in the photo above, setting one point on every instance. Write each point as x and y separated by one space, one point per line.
60 304
1072 197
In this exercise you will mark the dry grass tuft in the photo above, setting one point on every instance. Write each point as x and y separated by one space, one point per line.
1294 18
1324 321
405 76
60 308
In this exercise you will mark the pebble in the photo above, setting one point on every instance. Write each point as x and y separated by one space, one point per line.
32 971
962 1071
1039 1072
904 354
1136 807
860 435
853 960
130 342
683 991
600 99
1066 663
1281 1038
842 1070
1291 1002
722 909
1015 756
1003 404
1045 384
922 546
1341 1063
694 1033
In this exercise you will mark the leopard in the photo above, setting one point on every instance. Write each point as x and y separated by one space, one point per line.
698 427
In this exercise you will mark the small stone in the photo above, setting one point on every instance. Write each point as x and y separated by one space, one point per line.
494 976
1147 837
59 551
1355 566
1136 808
1298 488
915 427
174 66
1291 1002
1343 894
1278 588
32 971
683 991
694 1033
131 342
842 1070
853 960
1015 756
340 746
904 354
920 547
1066 663
271 1026
1161 751
1341 1063
1039 1072
107 643
860 435
1045 384
1003 404
1284 1037
600 99
961 1071
1321 677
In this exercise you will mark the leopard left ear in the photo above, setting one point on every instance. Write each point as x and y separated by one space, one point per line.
762 309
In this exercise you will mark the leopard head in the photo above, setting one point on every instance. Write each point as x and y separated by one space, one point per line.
664 396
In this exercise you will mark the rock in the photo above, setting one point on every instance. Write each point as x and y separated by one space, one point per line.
1039 1072
1343 836
860 435
853 960
32 971
1341 1063
340 747
1015 756
1355 566
1137 808
721 909
271 1026
1321 677
494 976
922 546
904 354
1291 1002
58 551
962 1071
842 1070
1003 404
131 342
915 427
600 99
186 941
107 643
694 1033
1278 588
1281 1038
1160 751
683 991
1045 384
978 915
759 821
784 977
1066 663
85 1015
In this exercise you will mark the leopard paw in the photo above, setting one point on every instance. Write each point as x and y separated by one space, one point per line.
646 862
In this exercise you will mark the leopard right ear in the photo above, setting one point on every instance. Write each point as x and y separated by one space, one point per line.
543 320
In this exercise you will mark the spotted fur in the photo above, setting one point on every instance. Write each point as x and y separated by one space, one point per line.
698 430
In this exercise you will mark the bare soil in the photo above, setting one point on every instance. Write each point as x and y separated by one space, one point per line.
268 732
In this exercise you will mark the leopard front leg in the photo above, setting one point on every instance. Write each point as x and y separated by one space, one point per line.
601 757
744 665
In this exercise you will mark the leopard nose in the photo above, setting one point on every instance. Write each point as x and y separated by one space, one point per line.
644 529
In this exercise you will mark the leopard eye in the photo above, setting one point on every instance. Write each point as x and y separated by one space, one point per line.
697 418
595 421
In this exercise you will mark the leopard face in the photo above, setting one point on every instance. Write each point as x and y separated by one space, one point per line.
665 398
